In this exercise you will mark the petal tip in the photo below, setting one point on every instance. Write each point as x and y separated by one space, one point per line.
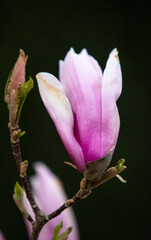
38 76
72 50
114 53
22 53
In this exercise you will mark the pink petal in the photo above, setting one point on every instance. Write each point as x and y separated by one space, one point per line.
30 212
1 236
58 107
49 194
93 61
111 90
81 77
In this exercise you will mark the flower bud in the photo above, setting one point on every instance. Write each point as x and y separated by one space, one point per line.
16 77
17 89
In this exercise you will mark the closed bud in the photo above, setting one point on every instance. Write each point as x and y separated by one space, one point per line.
17 89
16 77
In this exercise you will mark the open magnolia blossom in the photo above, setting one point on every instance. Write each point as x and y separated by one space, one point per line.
49 194
83 105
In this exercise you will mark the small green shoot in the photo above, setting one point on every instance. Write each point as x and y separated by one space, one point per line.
120 164
26 87
63 236
18 191
21 134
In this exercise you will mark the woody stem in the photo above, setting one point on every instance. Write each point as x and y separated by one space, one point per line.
18 158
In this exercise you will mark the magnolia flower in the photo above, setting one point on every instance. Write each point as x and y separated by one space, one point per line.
49 195
83 105
1 236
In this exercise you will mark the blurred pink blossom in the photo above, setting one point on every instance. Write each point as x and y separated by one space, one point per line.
49 195
1 236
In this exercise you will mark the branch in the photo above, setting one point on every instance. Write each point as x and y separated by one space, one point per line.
85 189
15 143
42 219
81 194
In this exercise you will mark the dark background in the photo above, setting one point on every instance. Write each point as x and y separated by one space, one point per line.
46 30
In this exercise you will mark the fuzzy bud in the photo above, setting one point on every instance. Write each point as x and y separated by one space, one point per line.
16 76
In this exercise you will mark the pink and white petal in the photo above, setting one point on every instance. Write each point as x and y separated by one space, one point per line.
1 236
112 76
111 90
93 61
61 62
59 108
82 83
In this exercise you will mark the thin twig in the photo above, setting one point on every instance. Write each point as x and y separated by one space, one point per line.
42 220
109 173
18 158
40 217
81 194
